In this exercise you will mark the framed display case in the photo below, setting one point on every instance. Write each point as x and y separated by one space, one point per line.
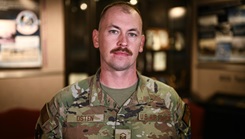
221 32
218 62
20 43
166 56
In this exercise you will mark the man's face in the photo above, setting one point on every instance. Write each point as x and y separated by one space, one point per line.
119 39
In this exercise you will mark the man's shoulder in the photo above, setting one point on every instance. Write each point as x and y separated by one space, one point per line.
152 82
69 93
158 88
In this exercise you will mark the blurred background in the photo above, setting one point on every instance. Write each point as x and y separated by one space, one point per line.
195 46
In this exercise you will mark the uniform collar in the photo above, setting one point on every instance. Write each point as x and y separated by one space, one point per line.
97 98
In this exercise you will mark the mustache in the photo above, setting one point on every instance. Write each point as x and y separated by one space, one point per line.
120 49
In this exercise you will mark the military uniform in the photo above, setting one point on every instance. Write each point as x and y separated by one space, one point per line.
82 110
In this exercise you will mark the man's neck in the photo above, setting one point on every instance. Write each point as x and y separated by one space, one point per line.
118 79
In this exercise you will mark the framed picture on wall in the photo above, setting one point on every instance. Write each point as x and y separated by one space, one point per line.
20 43
157 39
221 33
160 61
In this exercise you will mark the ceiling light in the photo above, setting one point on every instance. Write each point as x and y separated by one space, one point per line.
83 6
177 12
133 2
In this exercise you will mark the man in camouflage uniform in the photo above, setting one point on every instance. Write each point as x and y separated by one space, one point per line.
117 102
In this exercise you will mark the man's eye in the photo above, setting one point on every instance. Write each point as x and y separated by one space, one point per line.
133 35
113 31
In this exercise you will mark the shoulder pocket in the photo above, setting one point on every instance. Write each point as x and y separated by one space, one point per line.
47 119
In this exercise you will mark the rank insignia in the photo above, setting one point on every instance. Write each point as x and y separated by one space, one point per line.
123 134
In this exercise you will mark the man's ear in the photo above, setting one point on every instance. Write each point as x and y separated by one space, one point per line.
95 36
142 43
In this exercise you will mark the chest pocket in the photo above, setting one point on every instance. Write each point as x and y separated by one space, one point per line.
150 121
89 122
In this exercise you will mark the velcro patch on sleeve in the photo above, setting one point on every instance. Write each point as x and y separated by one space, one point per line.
38 132
186 115
44 114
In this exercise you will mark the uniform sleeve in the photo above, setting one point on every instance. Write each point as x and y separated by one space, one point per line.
182 117
185 122
48 125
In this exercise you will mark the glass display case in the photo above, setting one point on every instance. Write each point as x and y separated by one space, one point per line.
221 32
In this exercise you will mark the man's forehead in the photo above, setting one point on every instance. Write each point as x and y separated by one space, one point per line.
117 8
115 11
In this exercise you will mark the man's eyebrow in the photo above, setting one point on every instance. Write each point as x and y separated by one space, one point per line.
114 26
134 29
117 27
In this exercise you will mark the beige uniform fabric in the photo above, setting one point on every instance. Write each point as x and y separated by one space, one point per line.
83 111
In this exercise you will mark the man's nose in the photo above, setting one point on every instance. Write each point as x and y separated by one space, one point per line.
123 41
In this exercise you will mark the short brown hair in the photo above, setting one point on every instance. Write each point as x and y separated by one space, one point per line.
126 6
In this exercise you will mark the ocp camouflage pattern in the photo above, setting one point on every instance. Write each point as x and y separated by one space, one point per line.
83 111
